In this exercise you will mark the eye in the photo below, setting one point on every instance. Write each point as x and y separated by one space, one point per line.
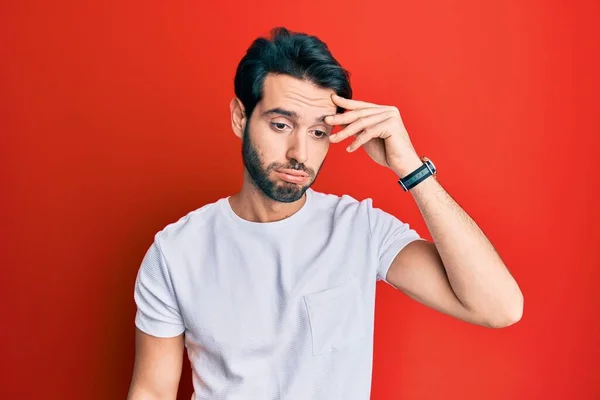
279 126
320 134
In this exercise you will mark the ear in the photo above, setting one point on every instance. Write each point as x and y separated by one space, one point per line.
238 117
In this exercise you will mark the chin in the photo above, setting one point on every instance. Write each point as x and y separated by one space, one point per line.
286 192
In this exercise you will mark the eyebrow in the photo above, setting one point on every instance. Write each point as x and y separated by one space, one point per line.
289 114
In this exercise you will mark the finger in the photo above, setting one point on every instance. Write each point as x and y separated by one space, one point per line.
350 104
359 125
351 116
365 136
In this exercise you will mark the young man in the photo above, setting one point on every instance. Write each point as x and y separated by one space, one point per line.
272 289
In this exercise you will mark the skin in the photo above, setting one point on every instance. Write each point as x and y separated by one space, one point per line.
459 273
273 140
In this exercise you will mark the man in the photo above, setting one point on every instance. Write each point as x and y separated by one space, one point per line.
272 290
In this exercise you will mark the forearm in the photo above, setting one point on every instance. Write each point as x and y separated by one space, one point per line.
475 271
140 393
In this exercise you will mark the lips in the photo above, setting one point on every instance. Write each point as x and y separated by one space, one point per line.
293 172
292 176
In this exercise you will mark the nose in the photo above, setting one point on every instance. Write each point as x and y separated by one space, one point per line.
298 148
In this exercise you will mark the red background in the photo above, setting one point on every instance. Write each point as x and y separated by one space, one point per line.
115 122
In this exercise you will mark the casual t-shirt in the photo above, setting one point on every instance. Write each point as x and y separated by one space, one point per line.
278 310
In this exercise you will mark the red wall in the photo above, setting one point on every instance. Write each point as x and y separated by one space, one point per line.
114 122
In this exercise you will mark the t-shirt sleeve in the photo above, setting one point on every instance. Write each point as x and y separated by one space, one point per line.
157 313
389 236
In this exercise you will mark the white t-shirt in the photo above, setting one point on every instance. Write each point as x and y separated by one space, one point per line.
278 310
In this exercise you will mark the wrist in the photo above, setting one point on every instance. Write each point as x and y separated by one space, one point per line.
415 175
407 166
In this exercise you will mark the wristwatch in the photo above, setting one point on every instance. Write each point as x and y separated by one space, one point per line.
419 175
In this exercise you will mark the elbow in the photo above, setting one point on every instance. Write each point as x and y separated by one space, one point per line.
506 321
511 315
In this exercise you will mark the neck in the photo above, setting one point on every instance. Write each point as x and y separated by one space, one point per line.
251 204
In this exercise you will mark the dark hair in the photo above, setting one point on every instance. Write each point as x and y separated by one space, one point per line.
292 53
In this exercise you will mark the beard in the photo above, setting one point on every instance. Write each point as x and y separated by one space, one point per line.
281 191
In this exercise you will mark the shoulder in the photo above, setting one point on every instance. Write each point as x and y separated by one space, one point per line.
360 210
332 200
187 230
340 205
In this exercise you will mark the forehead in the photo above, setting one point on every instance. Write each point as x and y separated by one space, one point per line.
305 98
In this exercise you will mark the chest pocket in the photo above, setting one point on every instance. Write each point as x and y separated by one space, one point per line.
336 317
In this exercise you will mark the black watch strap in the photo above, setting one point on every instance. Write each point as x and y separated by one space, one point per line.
417 176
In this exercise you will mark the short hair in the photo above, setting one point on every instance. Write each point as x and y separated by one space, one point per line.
295 54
